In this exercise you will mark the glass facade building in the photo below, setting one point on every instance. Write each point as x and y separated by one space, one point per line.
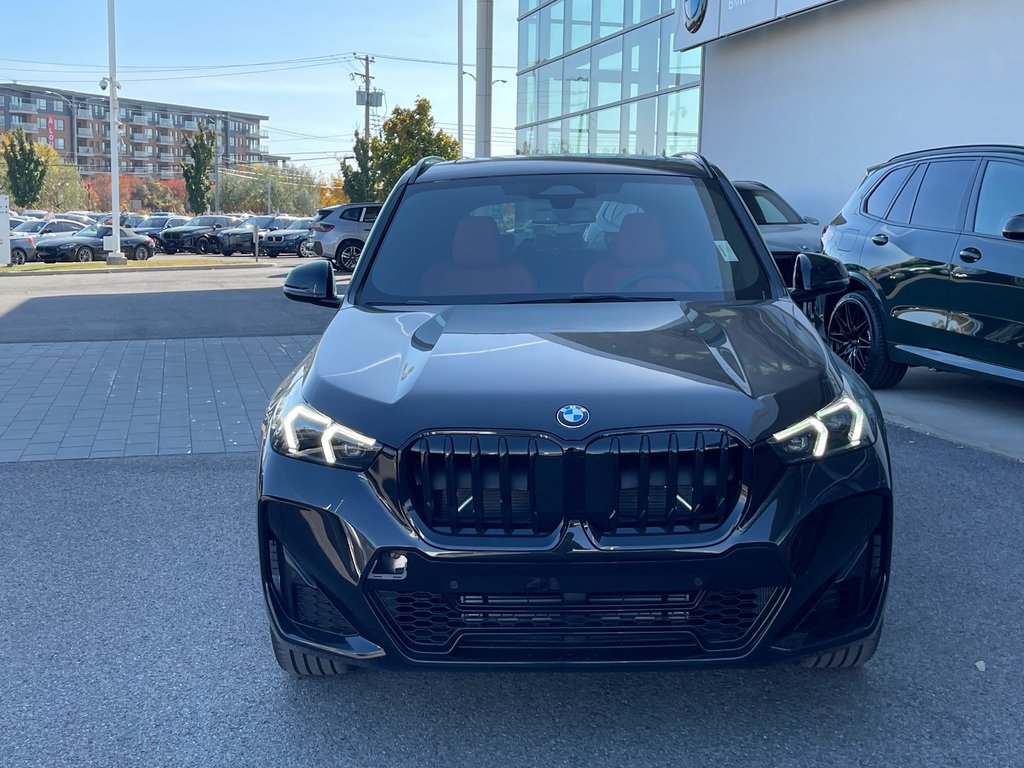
601 76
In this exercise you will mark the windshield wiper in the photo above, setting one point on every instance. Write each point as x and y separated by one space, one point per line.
591 298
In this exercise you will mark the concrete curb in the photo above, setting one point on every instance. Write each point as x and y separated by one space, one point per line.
136 270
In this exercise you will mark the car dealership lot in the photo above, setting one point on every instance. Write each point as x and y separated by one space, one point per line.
133 630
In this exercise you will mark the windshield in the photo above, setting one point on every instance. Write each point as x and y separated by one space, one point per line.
300 224
30 226
282 222
152 221
202 221
563 238
261 221
91 232
768 207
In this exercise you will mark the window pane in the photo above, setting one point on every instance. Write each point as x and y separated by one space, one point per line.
609 131
574 129
642 10
904 205
577 81
1002 197
610 14
642 123
677 69
640 73
552 30
942 193
682 115
882 195
528 37
351 214
526 106
549 88
606 72
580 17
526 141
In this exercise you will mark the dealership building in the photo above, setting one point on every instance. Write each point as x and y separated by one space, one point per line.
803 95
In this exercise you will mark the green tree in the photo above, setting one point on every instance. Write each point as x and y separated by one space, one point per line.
26 168
407 136
254 187
62 188
197 173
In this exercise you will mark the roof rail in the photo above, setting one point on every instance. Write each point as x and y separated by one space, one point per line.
424 163
698 158
1010 148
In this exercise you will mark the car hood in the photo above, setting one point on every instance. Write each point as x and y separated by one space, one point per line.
753 368
186 230
792 237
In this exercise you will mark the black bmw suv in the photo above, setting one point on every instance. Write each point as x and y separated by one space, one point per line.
517 447
934 242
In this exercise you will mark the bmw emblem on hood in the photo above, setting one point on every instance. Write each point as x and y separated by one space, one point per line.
572 416
694 10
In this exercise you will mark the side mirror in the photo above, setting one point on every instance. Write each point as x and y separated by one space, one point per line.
811 220
815 274
1014 228
313 283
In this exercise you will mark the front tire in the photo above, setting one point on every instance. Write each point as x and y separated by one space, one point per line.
851 657
301 664
84 254
856 332
142 253
203 245
347 255
18 256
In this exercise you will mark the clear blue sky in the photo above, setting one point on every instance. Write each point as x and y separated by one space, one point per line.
164 38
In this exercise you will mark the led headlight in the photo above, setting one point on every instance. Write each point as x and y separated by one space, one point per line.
300 431
840 426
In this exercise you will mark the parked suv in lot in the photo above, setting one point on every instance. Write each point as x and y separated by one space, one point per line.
934 241
514 447
339 232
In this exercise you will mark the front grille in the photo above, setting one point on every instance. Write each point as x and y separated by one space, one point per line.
687 623
667 482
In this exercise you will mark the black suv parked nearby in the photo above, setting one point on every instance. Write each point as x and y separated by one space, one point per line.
199 234
514 447
934 241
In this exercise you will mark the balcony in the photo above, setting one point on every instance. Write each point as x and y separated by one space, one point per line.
168 174
264 133
85 133
140 120
141 137
85 152
166 141
167 157
165 122
140 154
28 107
264 149
26 127
191 125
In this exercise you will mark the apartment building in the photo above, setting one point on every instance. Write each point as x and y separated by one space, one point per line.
152 133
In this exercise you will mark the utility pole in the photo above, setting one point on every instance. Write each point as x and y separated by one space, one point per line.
269 210
484 64
216 165
366 78
114 255
460 68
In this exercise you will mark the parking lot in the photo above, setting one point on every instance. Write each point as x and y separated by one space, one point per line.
133 631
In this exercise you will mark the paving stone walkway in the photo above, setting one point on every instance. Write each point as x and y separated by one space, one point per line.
94 399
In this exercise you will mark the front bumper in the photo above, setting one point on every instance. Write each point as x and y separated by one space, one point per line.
803 572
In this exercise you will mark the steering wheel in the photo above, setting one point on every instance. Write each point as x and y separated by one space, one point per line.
631 282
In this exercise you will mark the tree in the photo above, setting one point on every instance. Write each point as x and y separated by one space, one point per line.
407 136
152 194
26 168
62 188
332 191
197 173
284 190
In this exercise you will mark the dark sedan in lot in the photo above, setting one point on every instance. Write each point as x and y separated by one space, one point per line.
198 234
239 239
154 225
87 243
511 450
291 239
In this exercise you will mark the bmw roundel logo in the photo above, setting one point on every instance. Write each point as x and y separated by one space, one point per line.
694 10
573 416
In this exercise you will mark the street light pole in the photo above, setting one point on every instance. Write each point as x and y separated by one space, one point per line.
461 100
484 63
114 255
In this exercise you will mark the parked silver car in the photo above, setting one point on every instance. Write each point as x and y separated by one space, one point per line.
339 232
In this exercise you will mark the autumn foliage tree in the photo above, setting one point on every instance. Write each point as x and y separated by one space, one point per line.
407 136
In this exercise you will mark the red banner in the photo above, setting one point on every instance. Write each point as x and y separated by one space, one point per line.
51 126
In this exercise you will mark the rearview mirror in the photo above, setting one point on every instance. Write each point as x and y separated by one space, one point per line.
1014 228
313 283
815 274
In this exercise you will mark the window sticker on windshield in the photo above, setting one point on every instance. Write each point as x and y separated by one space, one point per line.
725 250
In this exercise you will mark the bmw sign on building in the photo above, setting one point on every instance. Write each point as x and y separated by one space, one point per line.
701 21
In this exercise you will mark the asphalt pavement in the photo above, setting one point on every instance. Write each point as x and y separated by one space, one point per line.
134 634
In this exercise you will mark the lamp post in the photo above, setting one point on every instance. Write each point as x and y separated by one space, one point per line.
114 255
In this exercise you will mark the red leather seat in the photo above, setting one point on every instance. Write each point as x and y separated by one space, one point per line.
639 248
476 265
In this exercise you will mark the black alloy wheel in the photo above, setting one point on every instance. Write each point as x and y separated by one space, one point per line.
857 335
84 254
18 256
